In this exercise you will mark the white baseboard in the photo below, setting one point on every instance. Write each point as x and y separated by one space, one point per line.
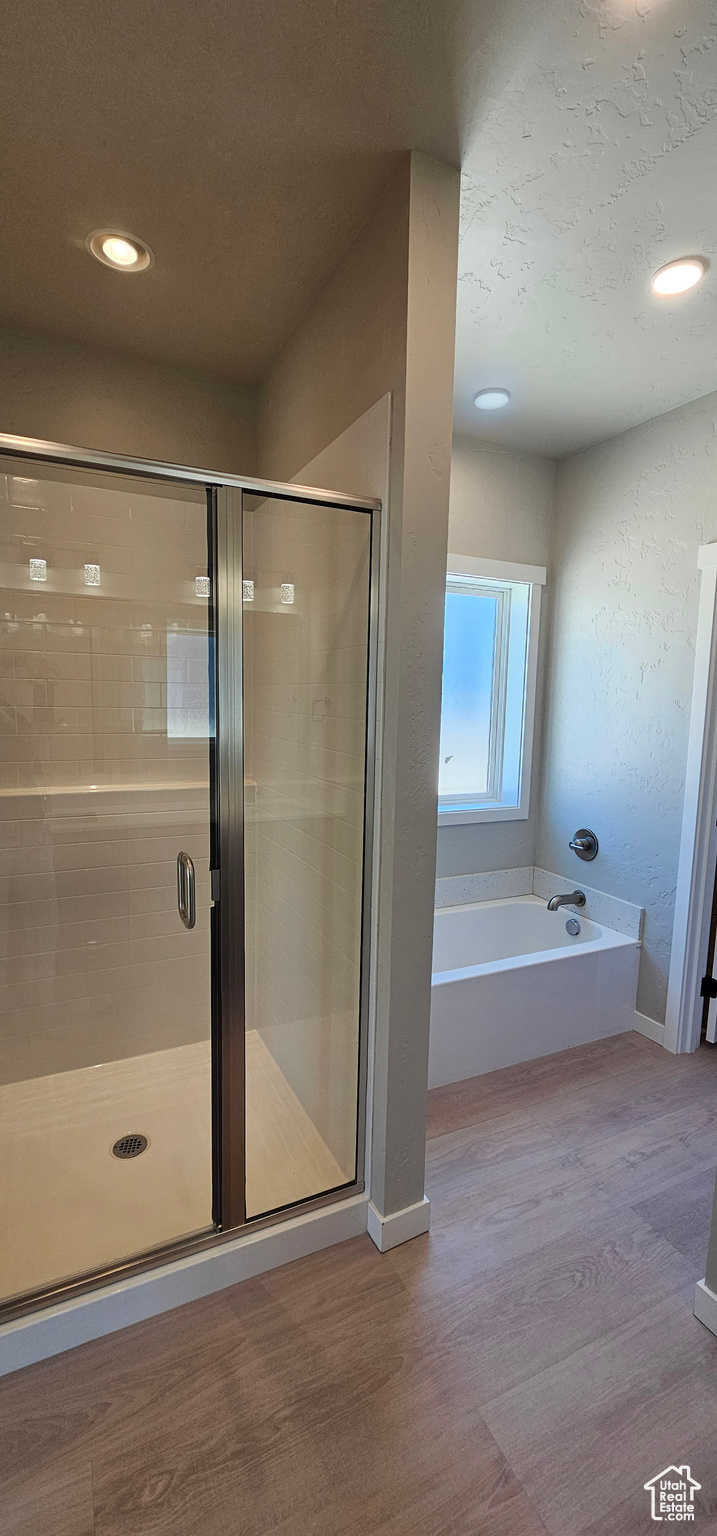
111 1307
388 1231
705 1308
649 1027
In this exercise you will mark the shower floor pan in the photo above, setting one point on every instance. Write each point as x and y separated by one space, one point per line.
68 1205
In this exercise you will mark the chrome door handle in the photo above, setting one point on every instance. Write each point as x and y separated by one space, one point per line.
186 900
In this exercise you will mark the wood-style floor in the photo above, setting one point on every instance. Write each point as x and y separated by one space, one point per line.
524 1369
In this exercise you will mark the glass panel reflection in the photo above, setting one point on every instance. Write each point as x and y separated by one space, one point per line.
305 682
104 777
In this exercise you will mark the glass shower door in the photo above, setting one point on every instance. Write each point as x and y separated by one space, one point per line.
183 830
305 600
106 722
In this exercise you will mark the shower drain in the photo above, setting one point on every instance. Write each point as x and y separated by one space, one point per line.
130 1146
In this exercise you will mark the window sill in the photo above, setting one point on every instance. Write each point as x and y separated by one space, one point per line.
461 815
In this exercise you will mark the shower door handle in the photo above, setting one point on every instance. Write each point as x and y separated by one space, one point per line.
186 899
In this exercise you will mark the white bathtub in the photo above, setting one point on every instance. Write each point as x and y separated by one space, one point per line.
510 983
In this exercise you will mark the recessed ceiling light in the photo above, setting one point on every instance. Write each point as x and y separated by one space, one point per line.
492 399
123 252
679 276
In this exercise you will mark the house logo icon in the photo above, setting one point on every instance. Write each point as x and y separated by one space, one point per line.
672 1493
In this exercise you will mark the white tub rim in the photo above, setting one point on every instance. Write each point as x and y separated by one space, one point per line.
608 939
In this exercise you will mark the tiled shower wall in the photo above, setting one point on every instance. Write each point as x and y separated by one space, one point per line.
305 730
97 795
96 964
84 686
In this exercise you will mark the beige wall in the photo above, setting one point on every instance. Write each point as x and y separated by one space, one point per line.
501 508
501 504
418 540
348 351
386 323
90 398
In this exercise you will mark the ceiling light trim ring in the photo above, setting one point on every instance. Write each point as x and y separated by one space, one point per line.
696 265
493 398
95 244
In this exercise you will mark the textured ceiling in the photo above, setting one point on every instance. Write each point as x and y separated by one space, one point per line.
245 140
589 161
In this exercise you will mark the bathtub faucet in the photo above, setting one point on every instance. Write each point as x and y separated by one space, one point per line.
574 899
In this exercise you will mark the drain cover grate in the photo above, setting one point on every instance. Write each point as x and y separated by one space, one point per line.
130 1146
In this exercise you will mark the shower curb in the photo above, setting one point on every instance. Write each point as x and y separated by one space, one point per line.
27 1340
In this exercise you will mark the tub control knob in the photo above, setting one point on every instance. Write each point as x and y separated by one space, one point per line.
584 843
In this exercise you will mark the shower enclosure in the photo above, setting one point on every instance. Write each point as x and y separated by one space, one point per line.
186 703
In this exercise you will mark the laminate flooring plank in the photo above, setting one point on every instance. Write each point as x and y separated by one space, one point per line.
106 1391
492 1211
586 1434
457 1159
508 1182
506 1375
411 1466
55 1502
397 1461
651 1157
632 1516
611 1107
520 1087
682 1214
515 1321
464 1250
302 1361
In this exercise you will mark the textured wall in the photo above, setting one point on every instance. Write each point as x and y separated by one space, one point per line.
501 507
98 399
630 515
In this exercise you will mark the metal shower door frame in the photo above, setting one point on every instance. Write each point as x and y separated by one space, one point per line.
229 919
228 912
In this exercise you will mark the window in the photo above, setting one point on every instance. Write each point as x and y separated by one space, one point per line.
189 693
489 670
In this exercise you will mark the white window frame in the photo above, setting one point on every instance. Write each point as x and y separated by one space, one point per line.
517 674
